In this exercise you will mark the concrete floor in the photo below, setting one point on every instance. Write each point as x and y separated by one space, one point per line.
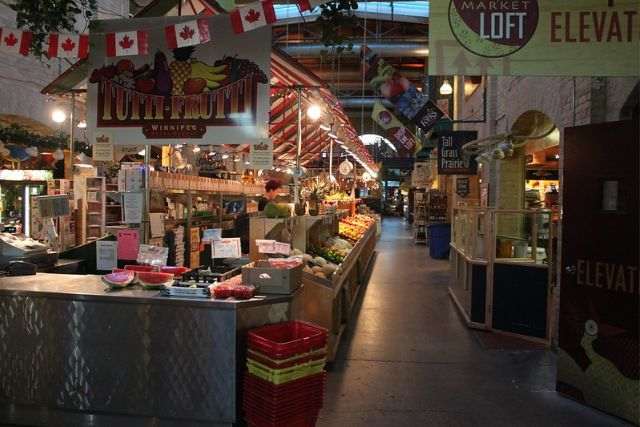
407 359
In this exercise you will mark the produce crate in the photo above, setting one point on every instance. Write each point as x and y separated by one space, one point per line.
271 280
287 339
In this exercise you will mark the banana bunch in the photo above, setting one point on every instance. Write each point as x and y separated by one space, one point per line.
211 74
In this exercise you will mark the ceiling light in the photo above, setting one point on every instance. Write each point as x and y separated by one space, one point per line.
557 156
82 124
325 127
332 135
58 115
178 146
196 149
236 159
446 88
141 152
314 112
225 156
248 163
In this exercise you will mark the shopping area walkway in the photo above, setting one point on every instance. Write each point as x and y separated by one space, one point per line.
408 359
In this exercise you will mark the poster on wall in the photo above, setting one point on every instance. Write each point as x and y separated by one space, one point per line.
216 92
451 158
534 38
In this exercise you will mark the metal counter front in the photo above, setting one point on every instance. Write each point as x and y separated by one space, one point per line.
73 354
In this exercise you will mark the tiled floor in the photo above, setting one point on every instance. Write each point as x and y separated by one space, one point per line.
408 359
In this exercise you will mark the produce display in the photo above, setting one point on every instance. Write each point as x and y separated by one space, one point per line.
119 279
232 288
154 279
277 210
339 196
354 227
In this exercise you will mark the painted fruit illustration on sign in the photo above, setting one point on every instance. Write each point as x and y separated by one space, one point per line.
491 28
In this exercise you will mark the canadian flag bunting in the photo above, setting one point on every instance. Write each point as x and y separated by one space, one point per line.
15 41
307 5
127 43
188 33
68 45
251 16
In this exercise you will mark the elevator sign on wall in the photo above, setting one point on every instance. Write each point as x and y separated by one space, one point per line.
535 37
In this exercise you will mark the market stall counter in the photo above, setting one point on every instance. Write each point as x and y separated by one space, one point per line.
73 353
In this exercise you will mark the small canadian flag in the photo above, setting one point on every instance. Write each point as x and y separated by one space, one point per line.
68 45
126 43
15 41
251 16
187 33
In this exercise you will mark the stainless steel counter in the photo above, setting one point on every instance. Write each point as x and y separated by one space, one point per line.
71 353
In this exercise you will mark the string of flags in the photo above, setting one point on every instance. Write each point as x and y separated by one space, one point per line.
128 43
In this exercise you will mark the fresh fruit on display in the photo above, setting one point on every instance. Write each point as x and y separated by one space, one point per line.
154 279
143 268
176 271
119 279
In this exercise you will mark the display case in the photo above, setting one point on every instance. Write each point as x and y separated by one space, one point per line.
500 262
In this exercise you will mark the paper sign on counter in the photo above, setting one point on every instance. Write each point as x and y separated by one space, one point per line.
226 248
106 255
266 246
128 244
282 248
152 255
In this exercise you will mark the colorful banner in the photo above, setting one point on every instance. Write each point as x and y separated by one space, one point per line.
535 38
400 136
407 100
451 158
213 93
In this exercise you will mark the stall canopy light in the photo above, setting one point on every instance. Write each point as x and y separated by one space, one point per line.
314 112
332 135
141 152
196 149
325 128
446 88
225 156
58 115
82 124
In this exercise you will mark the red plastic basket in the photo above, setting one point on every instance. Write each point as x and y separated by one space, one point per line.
286 363
313 382
287 339
278 414
295 421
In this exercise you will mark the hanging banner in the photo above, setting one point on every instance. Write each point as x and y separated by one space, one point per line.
261 155
406 98
400 136
534 38
211 93
451 158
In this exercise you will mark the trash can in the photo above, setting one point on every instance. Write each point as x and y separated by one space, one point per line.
440 236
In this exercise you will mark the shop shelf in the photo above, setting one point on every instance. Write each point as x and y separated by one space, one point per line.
287 339
281 376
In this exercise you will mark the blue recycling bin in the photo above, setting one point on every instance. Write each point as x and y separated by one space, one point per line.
440 237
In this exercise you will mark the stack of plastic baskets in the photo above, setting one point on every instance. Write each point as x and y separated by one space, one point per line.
284 383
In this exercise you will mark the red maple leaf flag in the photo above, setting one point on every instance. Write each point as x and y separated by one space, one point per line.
187 33
68 45
251 16
126 43
15 41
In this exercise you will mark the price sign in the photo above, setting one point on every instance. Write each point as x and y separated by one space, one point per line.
226 248
152 255
106 255
212 234
266 246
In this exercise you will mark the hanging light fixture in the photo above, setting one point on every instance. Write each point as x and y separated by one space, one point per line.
82 124
58 115
196 149
325 127
446 88
314 112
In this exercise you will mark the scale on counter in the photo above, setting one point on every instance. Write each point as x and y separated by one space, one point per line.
195 283
17 248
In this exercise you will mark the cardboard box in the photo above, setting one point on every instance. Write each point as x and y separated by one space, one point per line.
269 280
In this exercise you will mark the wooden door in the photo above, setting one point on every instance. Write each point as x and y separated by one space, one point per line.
598 360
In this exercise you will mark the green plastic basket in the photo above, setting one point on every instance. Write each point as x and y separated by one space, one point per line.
281 376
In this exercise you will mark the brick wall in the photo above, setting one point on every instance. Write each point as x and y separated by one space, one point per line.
22 78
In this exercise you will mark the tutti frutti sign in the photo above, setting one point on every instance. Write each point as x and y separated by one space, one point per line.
535 37
451 157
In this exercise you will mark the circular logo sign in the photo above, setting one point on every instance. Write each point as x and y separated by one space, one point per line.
493 28
345 167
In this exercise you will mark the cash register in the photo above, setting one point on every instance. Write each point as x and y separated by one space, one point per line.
19 250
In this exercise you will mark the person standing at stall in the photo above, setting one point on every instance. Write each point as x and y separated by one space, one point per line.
270 193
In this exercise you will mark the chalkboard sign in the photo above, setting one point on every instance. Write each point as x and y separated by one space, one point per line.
462 187
451 158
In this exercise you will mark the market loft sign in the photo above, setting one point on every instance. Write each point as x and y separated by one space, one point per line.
535 37
213 93
451 158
